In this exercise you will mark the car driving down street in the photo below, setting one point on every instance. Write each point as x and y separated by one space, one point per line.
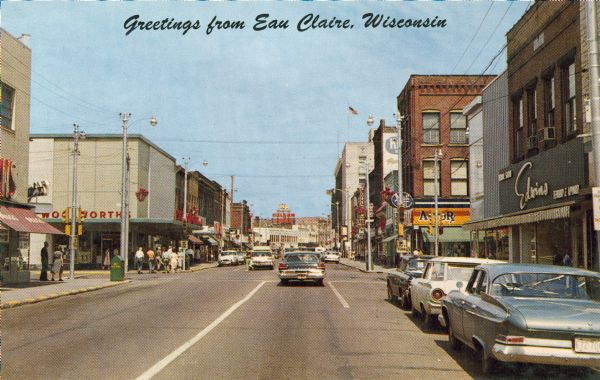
301 266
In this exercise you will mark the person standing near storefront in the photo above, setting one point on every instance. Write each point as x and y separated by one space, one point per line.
180 258
151 258
44 271
57 264
139 260
173 259
106 260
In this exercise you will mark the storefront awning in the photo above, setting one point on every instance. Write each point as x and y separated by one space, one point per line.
210 240
25 220
531 216
449 235
194 239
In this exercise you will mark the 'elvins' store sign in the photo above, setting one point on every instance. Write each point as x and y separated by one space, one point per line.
552 176
85 214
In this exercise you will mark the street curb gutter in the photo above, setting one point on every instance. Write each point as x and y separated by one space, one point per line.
29 301
360 269
197 269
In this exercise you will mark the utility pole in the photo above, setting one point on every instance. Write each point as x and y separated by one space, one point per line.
437 155
124 243
592 22
186 161
77 135
399 120
369 265
231 208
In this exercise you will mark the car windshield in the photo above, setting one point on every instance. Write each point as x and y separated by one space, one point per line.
227 253
547 285
459 272
416 264
304 258
261 254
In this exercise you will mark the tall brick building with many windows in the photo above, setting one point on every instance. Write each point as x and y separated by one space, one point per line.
432 106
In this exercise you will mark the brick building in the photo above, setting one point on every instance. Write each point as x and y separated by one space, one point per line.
241 221
432 106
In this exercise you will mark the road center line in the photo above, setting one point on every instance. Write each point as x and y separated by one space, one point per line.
155 369
339 296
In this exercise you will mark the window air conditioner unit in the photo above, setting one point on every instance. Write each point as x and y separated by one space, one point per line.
547 134
532 143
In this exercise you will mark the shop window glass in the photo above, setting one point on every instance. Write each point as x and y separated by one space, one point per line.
518 129
549 101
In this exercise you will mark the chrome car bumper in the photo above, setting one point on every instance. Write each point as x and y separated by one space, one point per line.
310 276
434 308
544 355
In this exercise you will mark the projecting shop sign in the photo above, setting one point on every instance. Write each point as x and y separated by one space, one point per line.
550 177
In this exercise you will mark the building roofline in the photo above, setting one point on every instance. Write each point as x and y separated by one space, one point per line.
2 30
108 136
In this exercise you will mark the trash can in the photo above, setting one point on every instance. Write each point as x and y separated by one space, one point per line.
117 271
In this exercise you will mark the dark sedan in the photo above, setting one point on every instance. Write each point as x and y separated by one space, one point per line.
301 266
527 313
398 282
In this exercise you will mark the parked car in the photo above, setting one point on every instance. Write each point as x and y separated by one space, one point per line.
441 275
527 313
398 281
301 266
331 256
262 258
227 258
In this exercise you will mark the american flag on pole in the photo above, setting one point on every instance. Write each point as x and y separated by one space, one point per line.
352 111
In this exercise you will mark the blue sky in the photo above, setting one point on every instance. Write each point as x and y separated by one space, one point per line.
270 107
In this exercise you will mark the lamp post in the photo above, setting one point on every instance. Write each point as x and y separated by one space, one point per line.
437 156
125 187
186 161
77 135
365 165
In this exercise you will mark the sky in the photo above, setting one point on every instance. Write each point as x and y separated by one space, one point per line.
267 106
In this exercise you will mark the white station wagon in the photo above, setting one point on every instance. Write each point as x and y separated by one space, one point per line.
441 276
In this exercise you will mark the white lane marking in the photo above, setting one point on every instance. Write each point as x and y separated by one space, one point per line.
339 296
155 369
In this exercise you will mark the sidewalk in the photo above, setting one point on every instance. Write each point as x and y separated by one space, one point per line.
361 265
37 291
85 281
97 273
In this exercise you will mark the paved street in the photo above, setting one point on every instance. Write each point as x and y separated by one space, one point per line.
238 324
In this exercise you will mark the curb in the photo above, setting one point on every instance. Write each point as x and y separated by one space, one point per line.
29 301
360 269
197 269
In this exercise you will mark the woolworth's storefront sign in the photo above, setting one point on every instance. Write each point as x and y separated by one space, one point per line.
552 176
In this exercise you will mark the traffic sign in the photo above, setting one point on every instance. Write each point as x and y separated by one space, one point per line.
407 202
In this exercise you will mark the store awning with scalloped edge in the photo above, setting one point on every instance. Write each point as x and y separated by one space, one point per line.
25 220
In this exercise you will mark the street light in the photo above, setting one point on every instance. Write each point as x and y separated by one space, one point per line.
366 166
125 186
77 135
186 161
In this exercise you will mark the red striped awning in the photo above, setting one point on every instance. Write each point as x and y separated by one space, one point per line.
194 239
25 220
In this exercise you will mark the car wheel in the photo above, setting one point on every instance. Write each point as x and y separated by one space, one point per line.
454 343
405 301
391 297
284 282
413 311
320 282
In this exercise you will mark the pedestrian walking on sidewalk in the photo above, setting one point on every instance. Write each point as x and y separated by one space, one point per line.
151 260
57 264
173 260
180 258
166 256
139 260
159 260
106 260
44 271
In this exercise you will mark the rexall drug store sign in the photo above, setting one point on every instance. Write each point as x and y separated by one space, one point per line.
547 178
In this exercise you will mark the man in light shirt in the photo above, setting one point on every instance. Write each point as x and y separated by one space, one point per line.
139 260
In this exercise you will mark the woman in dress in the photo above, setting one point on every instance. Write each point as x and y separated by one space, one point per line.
57 264
106 262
